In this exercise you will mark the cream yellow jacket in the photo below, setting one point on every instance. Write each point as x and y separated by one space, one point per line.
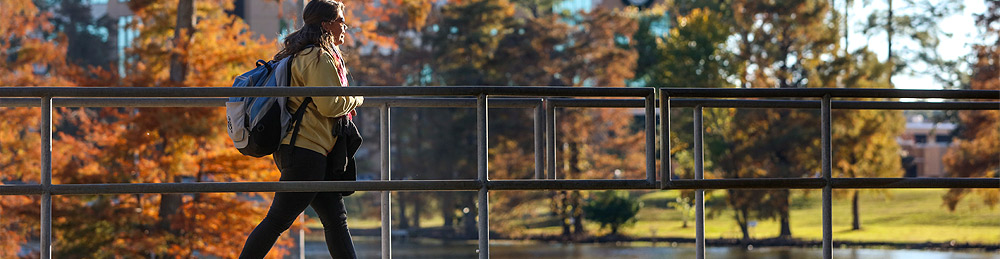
315 67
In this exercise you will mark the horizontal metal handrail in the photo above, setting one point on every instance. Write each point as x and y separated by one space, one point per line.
499 185
783 104
465 102
833 92
490 90
218 187
886 183
321 91
836 105
550 98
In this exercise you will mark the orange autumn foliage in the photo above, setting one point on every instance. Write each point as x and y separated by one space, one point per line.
976 152
32 55
130 145
144 145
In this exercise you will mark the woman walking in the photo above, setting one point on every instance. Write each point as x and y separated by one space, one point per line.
313 156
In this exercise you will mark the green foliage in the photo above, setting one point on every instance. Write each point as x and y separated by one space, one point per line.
694 54
915 37
659 199
612 208
912 215
465 43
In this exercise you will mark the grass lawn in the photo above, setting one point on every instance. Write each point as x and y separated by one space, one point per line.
899 215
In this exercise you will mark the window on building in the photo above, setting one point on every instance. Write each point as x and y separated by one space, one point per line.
239 9
944 139
574 6
920 138
126 34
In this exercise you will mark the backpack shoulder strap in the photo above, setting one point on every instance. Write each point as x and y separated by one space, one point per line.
301 111
297 119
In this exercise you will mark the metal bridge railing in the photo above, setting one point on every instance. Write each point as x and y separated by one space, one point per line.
545 100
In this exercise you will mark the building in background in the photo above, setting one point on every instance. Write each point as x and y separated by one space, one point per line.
590 5
923 145
266 18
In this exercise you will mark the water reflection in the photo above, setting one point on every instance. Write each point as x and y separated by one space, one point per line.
427 248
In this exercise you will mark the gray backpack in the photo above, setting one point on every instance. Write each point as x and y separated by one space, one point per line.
256 125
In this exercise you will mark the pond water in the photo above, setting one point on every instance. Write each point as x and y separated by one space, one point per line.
368 247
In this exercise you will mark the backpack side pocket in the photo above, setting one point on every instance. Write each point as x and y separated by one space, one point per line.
236 123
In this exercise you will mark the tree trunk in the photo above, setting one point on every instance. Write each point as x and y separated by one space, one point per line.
448 209
578 229
685 217
573 172
169 204
847 31
741 219
786 228
404 223
417 207
470 218
182 36
889 31
856 222
563 214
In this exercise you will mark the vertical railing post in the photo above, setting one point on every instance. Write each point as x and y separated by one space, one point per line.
482 127
827 160
540 140
651 137
699 173
302 236
46 180
664 139
386 173
550 138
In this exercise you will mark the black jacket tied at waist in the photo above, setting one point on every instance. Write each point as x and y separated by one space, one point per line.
342 155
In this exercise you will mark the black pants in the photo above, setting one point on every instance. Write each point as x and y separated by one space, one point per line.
300 164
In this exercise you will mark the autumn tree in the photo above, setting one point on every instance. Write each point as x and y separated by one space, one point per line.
977 148
460 41
694 54
613 209
593 144
402 33
496 47
196 45
865 140
781 45
33 55
149 145
864 137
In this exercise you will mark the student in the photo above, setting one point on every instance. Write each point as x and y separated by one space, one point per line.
314 157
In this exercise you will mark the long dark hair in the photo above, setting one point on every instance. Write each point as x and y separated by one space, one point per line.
316 13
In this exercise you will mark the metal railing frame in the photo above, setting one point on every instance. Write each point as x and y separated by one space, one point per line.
544 128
